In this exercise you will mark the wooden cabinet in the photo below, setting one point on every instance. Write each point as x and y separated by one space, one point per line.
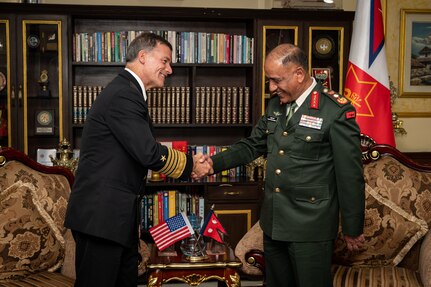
237 206
33 66
34 39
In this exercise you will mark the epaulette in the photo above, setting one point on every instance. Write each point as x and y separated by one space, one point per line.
340 100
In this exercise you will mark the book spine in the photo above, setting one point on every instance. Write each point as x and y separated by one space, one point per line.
234 112
150 213
172 194
165 205
75 104
187 115
240 105
246 105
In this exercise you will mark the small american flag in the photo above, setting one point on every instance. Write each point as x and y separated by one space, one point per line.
172 230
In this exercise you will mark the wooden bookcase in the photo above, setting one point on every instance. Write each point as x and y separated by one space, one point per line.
238 201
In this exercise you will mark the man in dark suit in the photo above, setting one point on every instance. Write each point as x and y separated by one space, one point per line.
314 172
117 149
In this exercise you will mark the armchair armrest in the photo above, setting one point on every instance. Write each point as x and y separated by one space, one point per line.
256 258
424 260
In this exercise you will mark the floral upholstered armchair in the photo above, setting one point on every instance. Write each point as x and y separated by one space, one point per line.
397 250
35 248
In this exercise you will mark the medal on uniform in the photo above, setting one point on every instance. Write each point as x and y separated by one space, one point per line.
311 122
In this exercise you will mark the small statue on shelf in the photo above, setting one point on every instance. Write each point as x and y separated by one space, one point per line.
64 156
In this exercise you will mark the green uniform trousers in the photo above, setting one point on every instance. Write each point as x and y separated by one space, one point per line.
298 264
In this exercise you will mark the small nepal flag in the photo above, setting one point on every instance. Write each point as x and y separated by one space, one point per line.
172 230
367 80
212 227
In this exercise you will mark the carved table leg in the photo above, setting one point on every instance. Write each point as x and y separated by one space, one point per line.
155 279
231 278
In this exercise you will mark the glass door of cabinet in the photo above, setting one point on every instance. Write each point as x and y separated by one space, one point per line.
5 79
42 84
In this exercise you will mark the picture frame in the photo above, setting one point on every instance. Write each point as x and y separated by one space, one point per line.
414 67
322 75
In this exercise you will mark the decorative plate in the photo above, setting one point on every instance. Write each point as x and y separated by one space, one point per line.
33 41
323 47
44 118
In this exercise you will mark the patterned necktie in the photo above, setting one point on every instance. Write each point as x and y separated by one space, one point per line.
291 111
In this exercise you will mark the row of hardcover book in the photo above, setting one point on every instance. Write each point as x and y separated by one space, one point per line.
222 105
157 207
188 47
83 98
171 105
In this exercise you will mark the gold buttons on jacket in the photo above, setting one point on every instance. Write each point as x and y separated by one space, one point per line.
308 138
277 189
267 131
281 152
285 134
277 171
312 199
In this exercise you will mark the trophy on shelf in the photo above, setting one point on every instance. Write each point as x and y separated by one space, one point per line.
43 82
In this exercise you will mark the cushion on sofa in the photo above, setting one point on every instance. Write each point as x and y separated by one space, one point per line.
405 187
390 232
53 190
30 241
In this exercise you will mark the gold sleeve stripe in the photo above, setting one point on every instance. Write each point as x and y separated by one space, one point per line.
175 163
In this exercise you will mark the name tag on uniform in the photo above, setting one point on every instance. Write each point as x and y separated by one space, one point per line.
311 122
272 119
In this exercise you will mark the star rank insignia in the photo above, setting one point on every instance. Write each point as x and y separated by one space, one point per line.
163 158
277 114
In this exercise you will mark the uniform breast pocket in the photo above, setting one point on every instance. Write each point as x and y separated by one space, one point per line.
307 144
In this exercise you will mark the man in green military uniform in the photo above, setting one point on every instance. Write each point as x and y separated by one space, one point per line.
314 172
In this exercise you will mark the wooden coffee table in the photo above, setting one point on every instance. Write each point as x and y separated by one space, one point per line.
164 268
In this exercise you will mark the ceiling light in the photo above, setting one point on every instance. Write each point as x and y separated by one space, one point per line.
328 1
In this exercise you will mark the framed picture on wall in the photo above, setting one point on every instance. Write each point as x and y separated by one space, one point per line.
415 53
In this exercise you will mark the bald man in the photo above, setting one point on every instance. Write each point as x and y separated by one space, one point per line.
314 173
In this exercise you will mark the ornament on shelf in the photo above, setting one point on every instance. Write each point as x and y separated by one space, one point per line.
64 156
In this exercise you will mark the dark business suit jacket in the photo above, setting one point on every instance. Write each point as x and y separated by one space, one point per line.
117 149
313 170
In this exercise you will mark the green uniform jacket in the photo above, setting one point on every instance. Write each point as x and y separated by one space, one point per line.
314 168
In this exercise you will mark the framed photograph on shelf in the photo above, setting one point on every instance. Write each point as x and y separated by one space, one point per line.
44 122
322 75
415 53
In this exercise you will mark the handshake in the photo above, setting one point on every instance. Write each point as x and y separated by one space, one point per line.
202 166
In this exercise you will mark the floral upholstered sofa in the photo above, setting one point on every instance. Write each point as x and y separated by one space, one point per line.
35 248
397 250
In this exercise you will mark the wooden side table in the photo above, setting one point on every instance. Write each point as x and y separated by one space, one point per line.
175 267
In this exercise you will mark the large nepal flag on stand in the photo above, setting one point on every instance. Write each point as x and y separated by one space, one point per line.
212 227
367 80
172 230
